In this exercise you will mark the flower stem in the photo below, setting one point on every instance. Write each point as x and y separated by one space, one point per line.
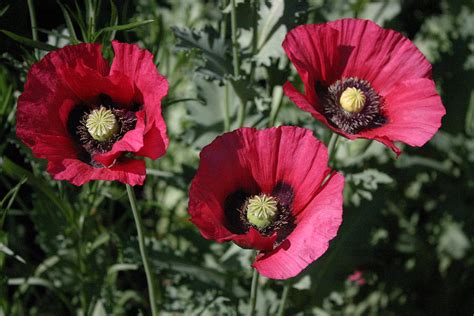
235 60
277 96
226 108
235 45
253 293
284 297
332 147
34 26
141 242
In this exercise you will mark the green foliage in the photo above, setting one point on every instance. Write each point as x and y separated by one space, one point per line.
408 222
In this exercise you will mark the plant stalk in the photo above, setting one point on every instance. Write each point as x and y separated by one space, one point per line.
284 298
34 26
226 108
332 148
235 45
141 241
253 293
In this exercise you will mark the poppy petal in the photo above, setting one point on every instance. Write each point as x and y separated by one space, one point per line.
151 88
414 110
130 171
318 224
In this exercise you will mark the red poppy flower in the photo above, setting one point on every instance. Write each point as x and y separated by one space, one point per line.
266 190
90 119
363 81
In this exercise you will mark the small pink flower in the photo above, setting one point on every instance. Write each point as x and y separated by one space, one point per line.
357 277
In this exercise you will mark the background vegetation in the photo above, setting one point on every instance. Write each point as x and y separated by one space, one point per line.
408 222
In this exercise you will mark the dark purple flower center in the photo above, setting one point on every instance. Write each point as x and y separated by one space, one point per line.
236 207
87 144
369 114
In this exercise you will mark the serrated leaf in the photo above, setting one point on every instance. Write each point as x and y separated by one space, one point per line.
28 41
213 50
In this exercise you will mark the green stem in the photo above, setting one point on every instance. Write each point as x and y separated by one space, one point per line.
235 60
284 297
253 293
254 38
34 26
235 45
141 242
241 115
277 97
226 108
332 148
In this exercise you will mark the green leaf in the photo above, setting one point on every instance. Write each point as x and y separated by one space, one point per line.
10 196
69 25
276 18
113 19
470 116
40 186
212 48
4 10
9 252
122 27
28 41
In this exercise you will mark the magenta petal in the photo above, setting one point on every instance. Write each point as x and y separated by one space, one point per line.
315 227
150 88
254 240
414 110
128 171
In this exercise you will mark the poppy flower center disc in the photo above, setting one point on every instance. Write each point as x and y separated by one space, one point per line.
352 105
102 124
262 210
352 100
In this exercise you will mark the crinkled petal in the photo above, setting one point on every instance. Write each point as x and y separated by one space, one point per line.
88 84
45 91
130 171
382 57
316 225
150 88
316 56
353 48
414 111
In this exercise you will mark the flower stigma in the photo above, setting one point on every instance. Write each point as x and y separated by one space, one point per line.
261 210
352 100
102 124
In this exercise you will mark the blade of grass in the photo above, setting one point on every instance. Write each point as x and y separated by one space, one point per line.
29 42
69 25
122 27
5 9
